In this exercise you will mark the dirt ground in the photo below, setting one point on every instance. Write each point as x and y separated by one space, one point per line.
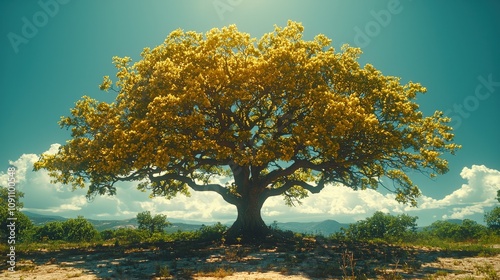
285 261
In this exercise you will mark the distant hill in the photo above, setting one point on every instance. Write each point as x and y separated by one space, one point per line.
100 225
39 219
455 221
324 227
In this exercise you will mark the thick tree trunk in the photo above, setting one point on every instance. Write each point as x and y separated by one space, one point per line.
249 224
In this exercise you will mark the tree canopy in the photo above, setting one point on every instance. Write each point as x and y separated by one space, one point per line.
152 224
492 218
280 114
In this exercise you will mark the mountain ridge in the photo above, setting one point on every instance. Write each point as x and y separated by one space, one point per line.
325 227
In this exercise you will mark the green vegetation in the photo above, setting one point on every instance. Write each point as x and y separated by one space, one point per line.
152 224
79 229
383 246
51 231
71 230
466 236
382 226
376 254
468 230
11 204
492 218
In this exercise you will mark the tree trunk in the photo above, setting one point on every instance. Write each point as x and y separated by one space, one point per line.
249 225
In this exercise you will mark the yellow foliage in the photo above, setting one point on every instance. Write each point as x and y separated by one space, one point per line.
202 103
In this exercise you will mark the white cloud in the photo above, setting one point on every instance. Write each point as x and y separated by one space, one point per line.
473 197
479 192
464 212
334 202
42 196
482 186
54 148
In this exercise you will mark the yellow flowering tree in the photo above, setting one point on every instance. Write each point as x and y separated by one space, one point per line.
279 115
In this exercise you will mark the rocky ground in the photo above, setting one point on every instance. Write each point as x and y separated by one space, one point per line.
309 259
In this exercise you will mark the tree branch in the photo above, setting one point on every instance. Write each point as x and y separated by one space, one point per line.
289 184
280 173
224 192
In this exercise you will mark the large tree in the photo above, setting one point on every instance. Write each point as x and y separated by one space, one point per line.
280 115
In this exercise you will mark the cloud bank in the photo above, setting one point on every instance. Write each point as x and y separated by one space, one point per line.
334 202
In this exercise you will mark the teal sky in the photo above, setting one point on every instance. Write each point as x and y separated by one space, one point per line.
55 51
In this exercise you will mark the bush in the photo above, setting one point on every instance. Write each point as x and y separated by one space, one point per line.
107 234
72 230
212 233
50 231
446 230
130 236
158 237
382 226
184 235
79 230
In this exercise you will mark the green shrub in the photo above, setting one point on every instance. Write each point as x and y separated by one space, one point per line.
79 230
107 234
183 235
212 233
50 231
466 231
158 237
381 226
130 235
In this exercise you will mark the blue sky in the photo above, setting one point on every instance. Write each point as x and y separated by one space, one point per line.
55 51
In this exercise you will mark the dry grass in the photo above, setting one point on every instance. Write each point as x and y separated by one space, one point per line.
219 272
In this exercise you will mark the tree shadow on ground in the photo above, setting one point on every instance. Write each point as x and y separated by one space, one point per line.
313 258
